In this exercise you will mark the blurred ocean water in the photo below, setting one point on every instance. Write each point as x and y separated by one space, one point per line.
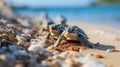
105 15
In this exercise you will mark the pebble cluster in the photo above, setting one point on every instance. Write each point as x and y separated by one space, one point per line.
22 45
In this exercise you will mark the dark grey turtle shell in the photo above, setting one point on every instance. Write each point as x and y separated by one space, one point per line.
77 30
81 32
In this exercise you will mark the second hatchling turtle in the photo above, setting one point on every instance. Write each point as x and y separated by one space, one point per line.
76 34
61 20
55 30
45 25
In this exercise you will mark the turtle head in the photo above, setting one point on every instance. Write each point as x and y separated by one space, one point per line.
47 23
44 15
53 26
61 19
71 29
61 28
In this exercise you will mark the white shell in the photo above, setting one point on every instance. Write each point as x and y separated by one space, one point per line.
93 63
35 48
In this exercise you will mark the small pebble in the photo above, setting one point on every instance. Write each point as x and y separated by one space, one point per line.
13 48
35 48
64 55
99 56
3 57
19 53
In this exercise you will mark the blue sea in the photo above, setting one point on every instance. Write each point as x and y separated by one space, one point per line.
102 15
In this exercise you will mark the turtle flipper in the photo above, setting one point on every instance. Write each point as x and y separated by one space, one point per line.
58 41
41 30
47 36
85 42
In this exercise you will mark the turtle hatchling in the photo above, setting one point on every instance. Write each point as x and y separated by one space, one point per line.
61 20
55 30
76 34
45 25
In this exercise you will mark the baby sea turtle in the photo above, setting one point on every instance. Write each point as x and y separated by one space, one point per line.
74 33
42 17
45 25
61 20
55 30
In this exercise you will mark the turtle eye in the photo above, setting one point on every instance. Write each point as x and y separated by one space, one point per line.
55 27
48 23
52 26
70 30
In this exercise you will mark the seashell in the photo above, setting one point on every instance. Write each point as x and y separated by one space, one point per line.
19 65
84 59
26 35
3 57
64 55
93 63
35 48
1 29
35 40
27 31
44 63
55 52
21 40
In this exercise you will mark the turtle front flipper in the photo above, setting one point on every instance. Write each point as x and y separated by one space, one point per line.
47 36
85 42
41 30
59 39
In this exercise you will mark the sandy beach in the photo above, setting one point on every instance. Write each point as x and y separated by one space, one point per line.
108 38
21 45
